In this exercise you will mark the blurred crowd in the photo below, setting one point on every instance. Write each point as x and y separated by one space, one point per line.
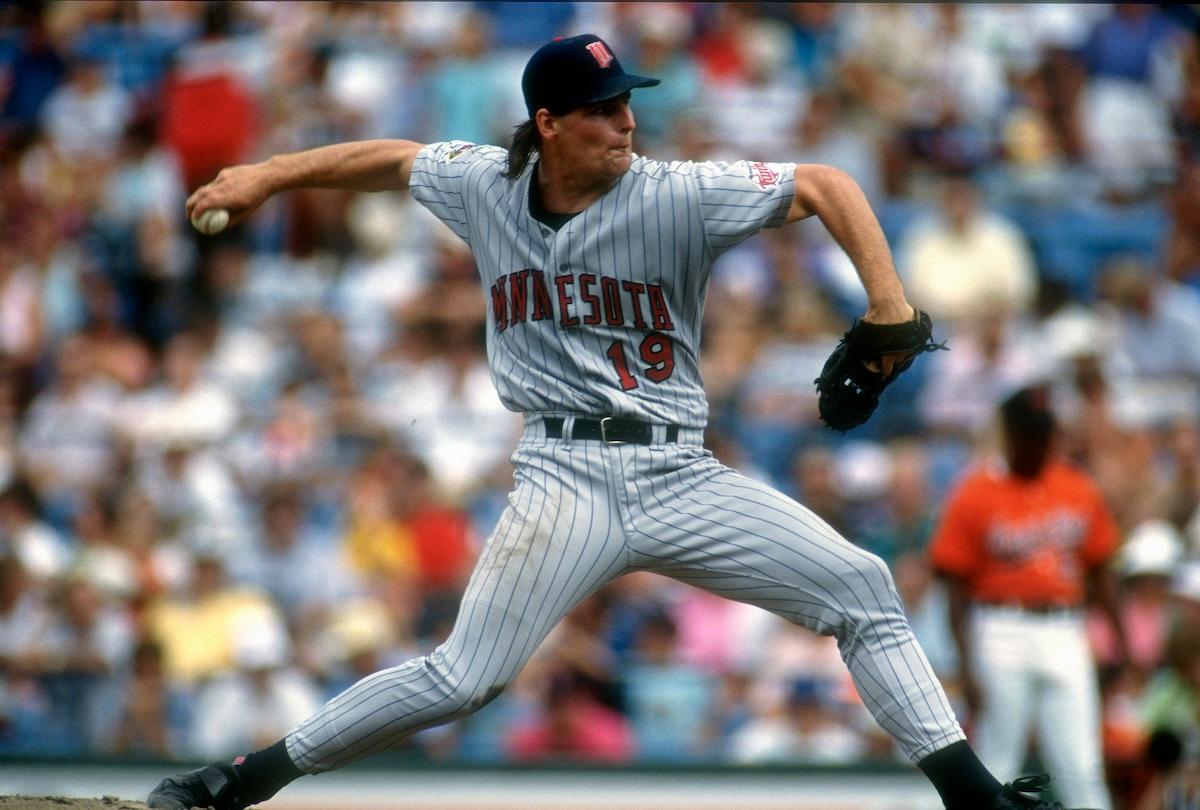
237 473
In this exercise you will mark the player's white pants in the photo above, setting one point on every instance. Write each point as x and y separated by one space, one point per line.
1036 672
582 513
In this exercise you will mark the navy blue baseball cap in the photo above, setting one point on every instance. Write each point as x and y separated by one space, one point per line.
568 73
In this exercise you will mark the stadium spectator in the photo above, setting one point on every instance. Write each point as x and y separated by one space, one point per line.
820 732
660 33
209 112
1169 709
99 556
1146 562
449 414
1182 253
194 493
824 135
804 724
667 702
260 699
573 726
993 355
1182 494
777 415
385 274
88 640
24 533
815 479
146 180
292 442
525 25
119 353
68 434
716 45
198 628
58 267
1125 116
294 562
967 262
147 716
763 737
711 633
462 94
372 539
87 95
133 42
909 505
161 562
441 536
1037 160
316 332
817 41
33 67
963 79
183 407
360 637
756 111
1154 359
21 330
24 617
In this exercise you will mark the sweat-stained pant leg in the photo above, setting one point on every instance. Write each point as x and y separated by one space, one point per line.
558 541
705 524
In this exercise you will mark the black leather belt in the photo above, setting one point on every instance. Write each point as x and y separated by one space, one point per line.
610 430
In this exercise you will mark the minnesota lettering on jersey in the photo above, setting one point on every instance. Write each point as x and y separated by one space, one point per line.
578 299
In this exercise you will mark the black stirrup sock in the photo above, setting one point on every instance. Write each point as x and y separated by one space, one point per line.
959 777
264 772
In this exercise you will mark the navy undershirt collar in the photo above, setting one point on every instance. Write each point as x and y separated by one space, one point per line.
539 212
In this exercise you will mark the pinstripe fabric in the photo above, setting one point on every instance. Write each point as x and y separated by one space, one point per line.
559 539
705 524
583 513
660 226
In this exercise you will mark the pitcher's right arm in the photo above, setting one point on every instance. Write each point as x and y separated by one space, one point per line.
379 165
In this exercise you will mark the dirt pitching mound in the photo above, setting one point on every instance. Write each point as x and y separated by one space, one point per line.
62 803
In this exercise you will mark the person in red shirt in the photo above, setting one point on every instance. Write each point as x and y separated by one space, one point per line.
1023 545
573 727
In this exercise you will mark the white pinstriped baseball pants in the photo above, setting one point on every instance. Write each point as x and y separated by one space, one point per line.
582 513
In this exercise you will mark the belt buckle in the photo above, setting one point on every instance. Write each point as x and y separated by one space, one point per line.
604 432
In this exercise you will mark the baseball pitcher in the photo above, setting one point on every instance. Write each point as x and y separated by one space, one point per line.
595 263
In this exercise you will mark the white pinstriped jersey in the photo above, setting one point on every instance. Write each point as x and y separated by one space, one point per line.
603 316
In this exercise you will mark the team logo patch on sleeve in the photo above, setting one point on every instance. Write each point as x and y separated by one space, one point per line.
763 176
457 148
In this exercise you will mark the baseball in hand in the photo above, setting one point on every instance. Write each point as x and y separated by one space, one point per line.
211 221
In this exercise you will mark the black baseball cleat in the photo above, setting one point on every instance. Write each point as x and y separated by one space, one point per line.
215 786
1020 794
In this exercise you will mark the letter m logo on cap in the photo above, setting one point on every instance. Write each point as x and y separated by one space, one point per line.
600 53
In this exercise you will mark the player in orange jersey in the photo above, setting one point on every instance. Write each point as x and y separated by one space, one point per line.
1023 546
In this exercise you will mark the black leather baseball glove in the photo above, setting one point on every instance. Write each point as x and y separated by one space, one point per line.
848 391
